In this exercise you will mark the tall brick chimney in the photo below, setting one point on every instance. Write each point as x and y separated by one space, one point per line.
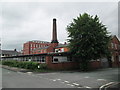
54 41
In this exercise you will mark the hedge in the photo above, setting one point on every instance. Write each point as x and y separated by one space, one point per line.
24 64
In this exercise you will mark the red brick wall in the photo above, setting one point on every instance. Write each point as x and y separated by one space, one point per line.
116 62
28 48
115 51
69 65
63 65
116 43
50 49
54 45
95 64
66 49
59 66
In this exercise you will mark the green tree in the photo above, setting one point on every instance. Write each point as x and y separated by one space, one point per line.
88 39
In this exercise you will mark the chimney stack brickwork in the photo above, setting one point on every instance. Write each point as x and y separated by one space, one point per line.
54 41
54 34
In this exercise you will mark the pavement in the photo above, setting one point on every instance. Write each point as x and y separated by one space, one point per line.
15 69
0 78
102 79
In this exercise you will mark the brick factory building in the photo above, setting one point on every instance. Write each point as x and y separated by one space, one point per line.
30 47
39 47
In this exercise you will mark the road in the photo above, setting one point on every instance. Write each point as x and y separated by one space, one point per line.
0 78
66 79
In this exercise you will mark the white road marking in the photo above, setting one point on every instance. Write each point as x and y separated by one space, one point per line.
76 84
54 80
79 87
59 79
105 85
101 80
110 85
86 77
29 72
87 87
66 81
70 84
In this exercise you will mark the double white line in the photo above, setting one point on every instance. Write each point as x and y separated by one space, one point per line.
106 85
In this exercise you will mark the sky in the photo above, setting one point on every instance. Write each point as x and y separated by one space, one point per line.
25 21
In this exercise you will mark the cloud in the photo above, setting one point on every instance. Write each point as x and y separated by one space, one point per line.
119 20
27 21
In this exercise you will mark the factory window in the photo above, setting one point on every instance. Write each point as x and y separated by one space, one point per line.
115 46
38 59
55 60
112 45
31 49
45 51
34 45
112 59
41 51
57 50
69 58
42 59
31 45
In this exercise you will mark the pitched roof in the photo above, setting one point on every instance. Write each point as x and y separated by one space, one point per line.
62 45
115 37
12 52
38 41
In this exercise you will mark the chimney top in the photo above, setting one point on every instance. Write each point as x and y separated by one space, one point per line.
15 49
54 19
65 43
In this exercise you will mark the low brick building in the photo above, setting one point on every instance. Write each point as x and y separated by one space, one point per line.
8 53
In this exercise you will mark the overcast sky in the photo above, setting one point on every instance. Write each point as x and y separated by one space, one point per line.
22 22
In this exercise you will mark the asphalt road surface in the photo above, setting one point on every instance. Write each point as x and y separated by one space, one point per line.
102 78
0 78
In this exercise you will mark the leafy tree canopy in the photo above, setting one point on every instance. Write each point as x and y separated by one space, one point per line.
89 38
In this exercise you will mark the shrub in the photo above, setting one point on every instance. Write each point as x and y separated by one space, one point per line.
24 64
43 66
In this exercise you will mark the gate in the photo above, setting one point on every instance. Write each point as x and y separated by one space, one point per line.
104 63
